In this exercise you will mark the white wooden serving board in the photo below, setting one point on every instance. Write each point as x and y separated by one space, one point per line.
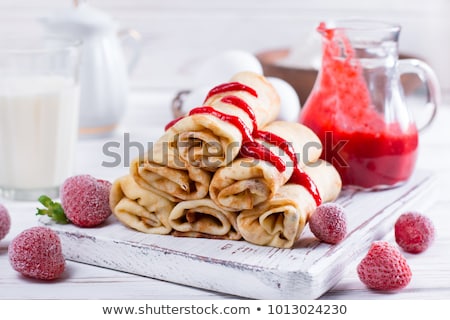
242 269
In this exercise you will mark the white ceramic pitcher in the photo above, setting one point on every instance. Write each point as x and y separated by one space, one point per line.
104 71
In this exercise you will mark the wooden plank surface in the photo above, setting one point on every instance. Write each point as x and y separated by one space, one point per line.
307 271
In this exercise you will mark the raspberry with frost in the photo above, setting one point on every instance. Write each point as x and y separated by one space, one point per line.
84 202
36 253
328 223
414 232
5 221
384 268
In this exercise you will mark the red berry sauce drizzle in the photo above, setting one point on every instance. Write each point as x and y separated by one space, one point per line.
250 147
231 86
172 123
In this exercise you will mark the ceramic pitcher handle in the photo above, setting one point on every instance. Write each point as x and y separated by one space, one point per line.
136 37
429 78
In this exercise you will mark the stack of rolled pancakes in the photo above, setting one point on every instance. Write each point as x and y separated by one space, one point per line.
228 170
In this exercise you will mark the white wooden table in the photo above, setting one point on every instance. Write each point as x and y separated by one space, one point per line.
147 114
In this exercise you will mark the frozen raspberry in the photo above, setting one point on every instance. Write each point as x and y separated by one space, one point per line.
384 268
5 222
36 253
414 232
328 223
85 200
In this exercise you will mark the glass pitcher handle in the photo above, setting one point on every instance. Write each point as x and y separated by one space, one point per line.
429 78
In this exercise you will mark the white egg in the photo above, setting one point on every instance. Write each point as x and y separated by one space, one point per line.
220 68
195 98
290 102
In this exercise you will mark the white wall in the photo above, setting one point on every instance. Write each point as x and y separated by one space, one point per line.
179 33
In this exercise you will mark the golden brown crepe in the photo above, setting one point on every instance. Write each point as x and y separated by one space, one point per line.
203 218
280 221
191 183
139 208
161 171
247 182
206 141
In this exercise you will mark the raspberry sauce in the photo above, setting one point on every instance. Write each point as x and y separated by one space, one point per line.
235 121
298 175
250 147
230 86
172 123
241 104
367 151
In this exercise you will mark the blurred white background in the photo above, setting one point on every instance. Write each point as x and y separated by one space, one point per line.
177 34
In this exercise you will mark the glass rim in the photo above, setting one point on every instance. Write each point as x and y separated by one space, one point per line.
358 24
35 45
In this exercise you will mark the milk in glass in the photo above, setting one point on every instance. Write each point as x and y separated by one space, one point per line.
38 132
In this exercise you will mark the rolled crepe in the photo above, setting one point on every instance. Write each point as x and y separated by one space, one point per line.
247 182
161 171
203 218
138 208
280 221
206 141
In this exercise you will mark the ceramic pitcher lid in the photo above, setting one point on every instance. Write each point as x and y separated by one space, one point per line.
78 21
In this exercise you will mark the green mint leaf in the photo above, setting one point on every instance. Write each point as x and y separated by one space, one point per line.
58 214
53 209
45 200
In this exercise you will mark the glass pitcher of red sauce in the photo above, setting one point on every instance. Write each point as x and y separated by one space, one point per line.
357 106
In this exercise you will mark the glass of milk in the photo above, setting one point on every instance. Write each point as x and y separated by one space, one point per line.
39 103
